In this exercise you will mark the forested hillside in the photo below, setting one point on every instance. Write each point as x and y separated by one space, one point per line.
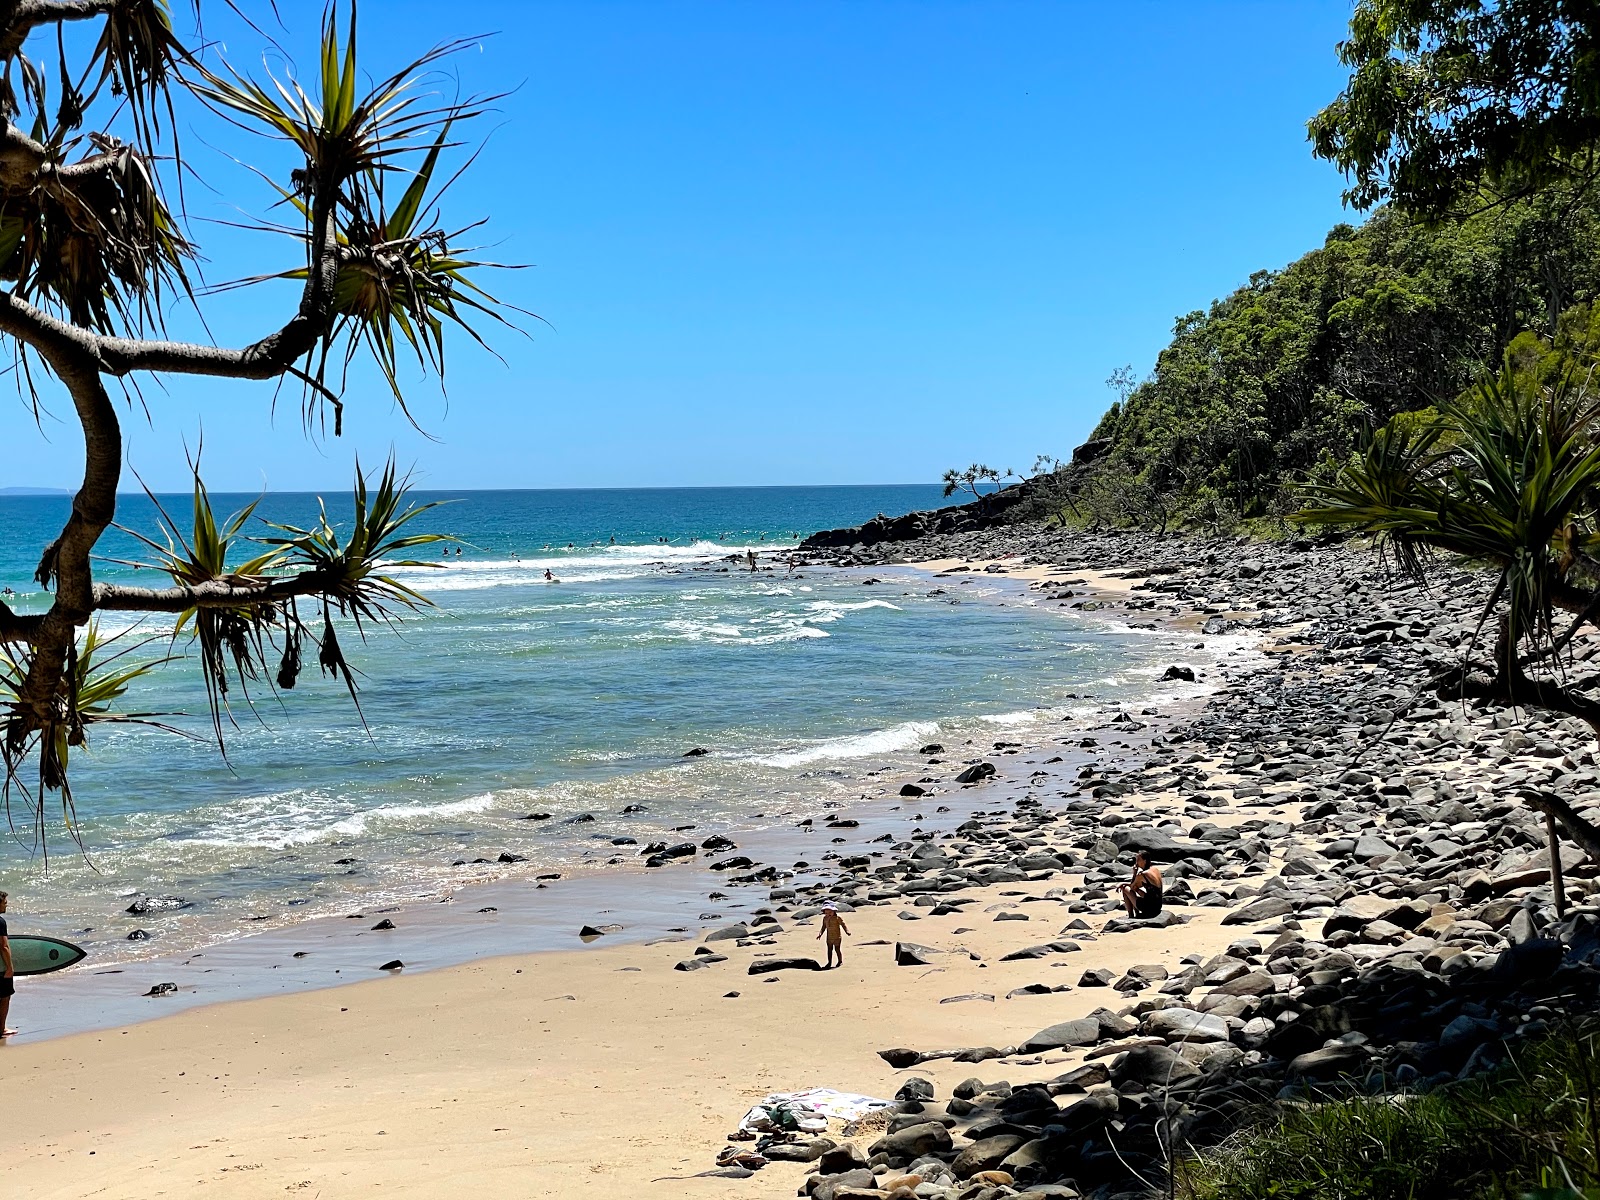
1279 380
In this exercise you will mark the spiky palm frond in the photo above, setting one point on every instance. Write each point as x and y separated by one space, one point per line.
87 232
98 245
1388 492
1515 489
351 572
136 54
97 678
341 136
226 637
403 279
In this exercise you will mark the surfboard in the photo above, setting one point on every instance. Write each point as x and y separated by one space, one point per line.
39 955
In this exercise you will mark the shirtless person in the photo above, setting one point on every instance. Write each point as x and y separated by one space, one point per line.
7 984
832 926
1141 895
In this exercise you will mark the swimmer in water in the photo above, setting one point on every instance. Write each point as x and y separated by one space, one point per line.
549 578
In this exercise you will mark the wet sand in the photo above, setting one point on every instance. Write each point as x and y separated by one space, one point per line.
595 1071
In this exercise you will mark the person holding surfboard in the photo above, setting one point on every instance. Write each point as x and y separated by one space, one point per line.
8 985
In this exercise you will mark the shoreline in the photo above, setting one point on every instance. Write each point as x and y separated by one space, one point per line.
439 930
621 1070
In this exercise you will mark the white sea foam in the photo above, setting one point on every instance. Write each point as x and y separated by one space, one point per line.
584 564
880 741
1012 718
837 607
718 632
283 822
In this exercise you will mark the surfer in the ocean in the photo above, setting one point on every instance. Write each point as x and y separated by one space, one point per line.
7 980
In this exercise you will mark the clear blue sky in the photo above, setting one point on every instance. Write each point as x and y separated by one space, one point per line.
805 242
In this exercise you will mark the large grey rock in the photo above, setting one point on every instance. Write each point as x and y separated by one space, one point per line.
800 1152
927 1138
1085 1031
1183 1024
831 1187
766 966
1159 844
985 1154
1264 908
909 954
1089 1113
841 1158
1165 919
1256 983
1371 847
1320 1066
1151 1065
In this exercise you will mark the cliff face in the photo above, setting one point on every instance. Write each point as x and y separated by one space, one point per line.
958 518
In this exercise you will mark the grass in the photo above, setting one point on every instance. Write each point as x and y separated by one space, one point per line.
1528 1131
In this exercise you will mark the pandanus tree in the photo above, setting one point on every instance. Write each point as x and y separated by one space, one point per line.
1505 478
95 252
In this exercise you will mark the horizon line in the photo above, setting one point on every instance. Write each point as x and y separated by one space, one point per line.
26 492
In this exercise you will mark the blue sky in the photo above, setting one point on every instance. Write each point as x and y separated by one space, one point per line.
787 242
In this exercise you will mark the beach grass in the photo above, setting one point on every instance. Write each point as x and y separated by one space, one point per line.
1528 1131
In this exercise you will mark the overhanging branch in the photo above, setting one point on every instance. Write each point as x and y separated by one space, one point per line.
110 597
22 18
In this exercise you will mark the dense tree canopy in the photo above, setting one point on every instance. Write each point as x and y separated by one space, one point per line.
1450 99
1284 377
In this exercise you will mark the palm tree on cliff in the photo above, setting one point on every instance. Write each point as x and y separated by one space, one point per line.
94 252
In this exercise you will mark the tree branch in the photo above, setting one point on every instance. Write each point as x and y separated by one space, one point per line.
15 628
269 358
23 17
110 597
1581 831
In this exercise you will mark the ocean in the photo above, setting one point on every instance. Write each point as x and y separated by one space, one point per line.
515 697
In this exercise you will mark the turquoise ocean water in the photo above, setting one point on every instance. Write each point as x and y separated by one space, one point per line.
515 696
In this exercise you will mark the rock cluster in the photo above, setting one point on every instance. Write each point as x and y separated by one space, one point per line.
1398 924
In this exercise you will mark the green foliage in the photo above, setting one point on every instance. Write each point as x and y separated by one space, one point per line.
347 573
352 573
101 247
1526 1132
1516 488
222 635
1281 380
99 676
972 479
1449 97
402 278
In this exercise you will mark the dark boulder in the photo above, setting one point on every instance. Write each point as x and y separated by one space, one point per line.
1085 1031
766 966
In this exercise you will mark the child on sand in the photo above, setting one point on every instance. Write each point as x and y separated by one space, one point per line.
832 926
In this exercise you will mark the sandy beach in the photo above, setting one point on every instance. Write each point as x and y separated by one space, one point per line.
601 1071
1319 859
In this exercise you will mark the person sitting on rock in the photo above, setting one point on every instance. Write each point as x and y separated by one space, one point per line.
832 926
1141 895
